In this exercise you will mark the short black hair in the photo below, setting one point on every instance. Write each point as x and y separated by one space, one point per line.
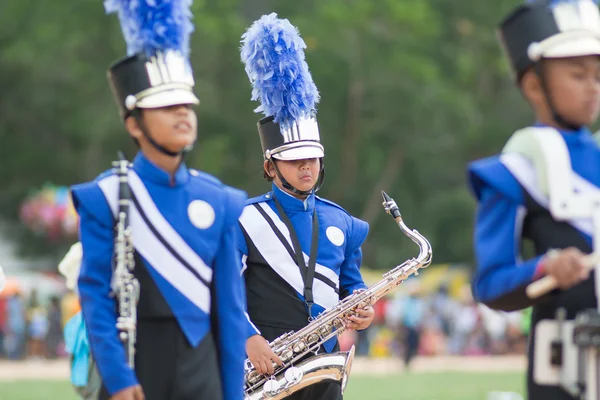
265 175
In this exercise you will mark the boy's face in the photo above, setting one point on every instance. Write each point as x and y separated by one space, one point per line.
301 174
574 84
173 127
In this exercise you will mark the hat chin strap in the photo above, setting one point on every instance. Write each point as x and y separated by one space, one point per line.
555 116
137 114
292 189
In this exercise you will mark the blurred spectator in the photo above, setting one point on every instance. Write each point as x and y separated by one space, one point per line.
15 341
412 309
3 325
37 327
465 320
432 340
477 340
445 307
54 337
495 324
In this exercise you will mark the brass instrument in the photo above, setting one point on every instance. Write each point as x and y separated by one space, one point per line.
294 347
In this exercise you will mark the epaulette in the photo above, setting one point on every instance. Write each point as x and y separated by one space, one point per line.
205 177
259 199
105 174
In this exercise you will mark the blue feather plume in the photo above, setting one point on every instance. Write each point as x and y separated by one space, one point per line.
151 26
273 54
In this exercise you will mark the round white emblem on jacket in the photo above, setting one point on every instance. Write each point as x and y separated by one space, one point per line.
335 235
201 214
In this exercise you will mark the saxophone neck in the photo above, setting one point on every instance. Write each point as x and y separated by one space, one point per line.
425 254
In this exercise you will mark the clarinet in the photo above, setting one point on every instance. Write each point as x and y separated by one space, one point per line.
126 288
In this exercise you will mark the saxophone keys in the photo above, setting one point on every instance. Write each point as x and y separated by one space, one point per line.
338 323
286 355
293 375
325 330
312 338
253 377
271 387
299 347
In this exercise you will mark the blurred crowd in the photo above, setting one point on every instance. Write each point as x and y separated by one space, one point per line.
32 327
407 323
411 323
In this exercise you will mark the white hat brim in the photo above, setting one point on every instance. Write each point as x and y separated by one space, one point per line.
300 153
168 98
586 46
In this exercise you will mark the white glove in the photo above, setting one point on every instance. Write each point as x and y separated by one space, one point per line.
70 264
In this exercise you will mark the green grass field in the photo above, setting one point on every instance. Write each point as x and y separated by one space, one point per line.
410 386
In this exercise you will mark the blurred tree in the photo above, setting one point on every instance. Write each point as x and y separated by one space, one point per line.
411 92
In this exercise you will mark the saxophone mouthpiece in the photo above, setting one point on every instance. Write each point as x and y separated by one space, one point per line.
386 198
390 206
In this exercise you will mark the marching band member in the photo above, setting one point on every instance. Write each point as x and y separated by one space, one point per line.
553 49
183 225
301 253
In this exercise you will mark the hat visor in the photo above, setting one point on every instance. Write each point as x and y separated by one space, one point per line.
587 46
168 98
302 152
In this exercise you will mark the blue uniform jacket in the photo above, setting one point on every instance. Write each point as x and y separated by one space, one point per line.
501 185
339 253
197 216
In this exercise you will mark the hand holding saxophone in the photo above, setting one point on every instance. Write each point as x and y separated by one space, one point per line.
362 317
261 355
361 320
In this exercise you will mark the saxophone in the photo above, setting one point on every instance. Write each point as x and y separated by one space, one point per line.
125 287
294 347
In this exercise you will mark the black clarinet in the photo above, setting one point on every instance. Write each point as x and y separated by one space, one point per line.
126 287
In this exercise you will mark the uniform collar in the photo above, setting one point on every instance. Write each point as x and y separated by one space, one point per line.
290 203
147 170
579 136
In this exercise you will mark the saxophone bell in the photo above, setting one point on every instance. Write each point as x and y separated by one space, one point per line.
333 367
